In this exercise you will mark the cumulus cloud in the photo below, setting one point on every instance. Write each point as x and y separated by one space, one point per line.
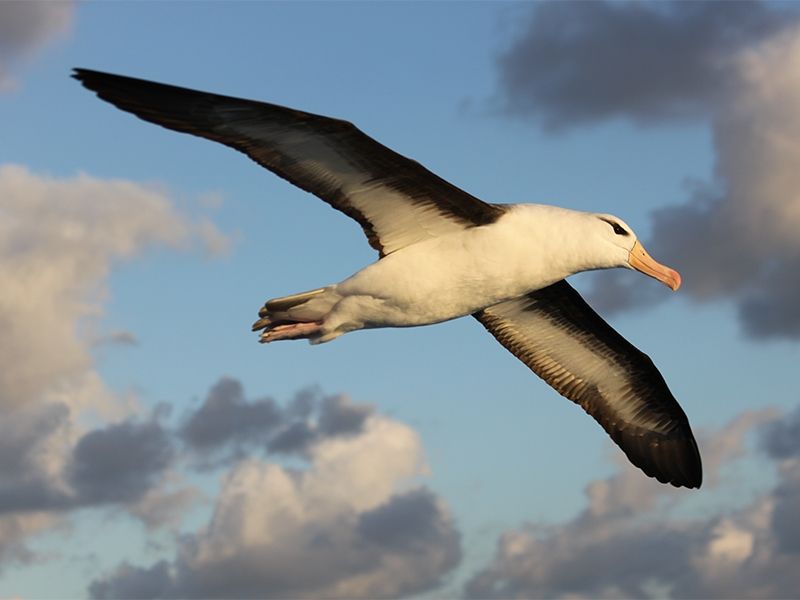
735 237
737 240
227 425
630 541
345 526
58 241
120 462
227 419
27 27
351 522
583 61
781 438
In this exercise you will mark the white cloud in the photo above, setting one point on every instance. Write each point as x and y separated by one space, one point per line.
26 27
59 239
630 541
347 526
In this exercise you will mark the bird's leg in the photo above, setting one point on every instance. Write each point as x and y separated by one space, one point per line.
291 331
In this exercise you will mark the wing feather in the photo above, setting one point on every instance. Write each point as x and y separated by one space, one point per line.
397 201
566 343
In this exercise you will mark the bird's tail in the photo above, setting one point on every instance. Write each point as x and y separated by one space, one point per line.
298 316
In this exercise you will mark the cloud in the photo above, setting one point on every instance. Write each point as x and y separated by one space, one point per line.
116 338
59 239
27 27
227 425
226 419
345 526
120 462
781 438
735 238
631 540
579 62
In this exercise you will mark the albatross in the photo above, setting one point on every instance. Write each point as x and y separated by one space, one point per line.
444 254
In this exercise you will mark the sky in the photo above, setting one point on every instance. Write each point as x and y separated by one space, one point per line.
151 448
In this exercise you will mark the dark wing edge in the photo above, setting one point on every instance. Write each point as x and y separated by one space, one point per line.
566 343
237 122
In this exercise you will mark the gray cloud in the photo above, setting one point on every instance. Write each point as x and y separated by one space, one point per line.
781 438
114 464
339 416
129 581
583 61
785 519
227 425
226 417
733 239
120 462
408 522
338 528
736 240
294 438
27 436
26 27
629 541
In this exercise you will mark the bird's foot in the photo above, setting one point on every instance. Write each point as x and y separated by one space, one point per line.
291 331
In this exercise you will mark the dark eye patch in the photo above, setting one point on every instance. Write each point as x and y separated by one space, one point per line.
616 226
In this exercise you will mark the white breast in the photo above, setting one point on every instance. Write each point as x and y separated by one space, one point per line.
460 273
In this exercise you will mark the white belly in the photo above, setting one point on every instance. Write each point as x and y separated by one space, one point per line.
445 278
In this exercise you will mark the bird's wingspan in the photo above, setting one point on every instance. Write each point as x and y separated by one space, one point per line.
566 343
397 201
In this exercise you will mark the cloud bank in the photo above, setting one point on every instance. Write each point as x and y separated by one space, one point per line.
349 524
630 541
58 241
580 62
320 497
734 238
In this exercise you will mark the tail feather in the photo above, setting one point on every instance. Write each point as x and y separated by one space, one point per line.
287 302
305 307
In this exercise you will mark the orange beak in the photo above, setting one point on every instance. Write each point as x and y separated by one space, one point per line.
640 260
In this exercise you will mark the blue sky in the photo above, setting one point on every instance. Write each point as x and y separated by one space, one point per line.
139 257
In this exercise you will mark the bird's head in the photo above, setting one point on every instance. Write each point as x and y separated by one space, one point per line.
628 252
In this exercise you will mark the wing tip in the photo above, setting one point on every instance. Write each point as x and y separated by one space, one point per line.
88 76
674 461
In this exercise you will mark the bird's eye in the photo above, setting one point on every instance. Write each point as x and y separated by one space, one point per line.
618 229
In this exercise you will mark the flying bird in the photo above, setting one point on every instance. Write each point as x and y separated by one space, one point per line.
443 254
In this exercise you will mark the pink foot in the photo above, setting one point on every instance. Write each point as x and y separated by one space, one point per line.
291 331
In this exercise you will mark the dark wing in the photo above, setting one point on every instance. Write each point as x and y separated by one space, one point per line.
558 335
397 201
